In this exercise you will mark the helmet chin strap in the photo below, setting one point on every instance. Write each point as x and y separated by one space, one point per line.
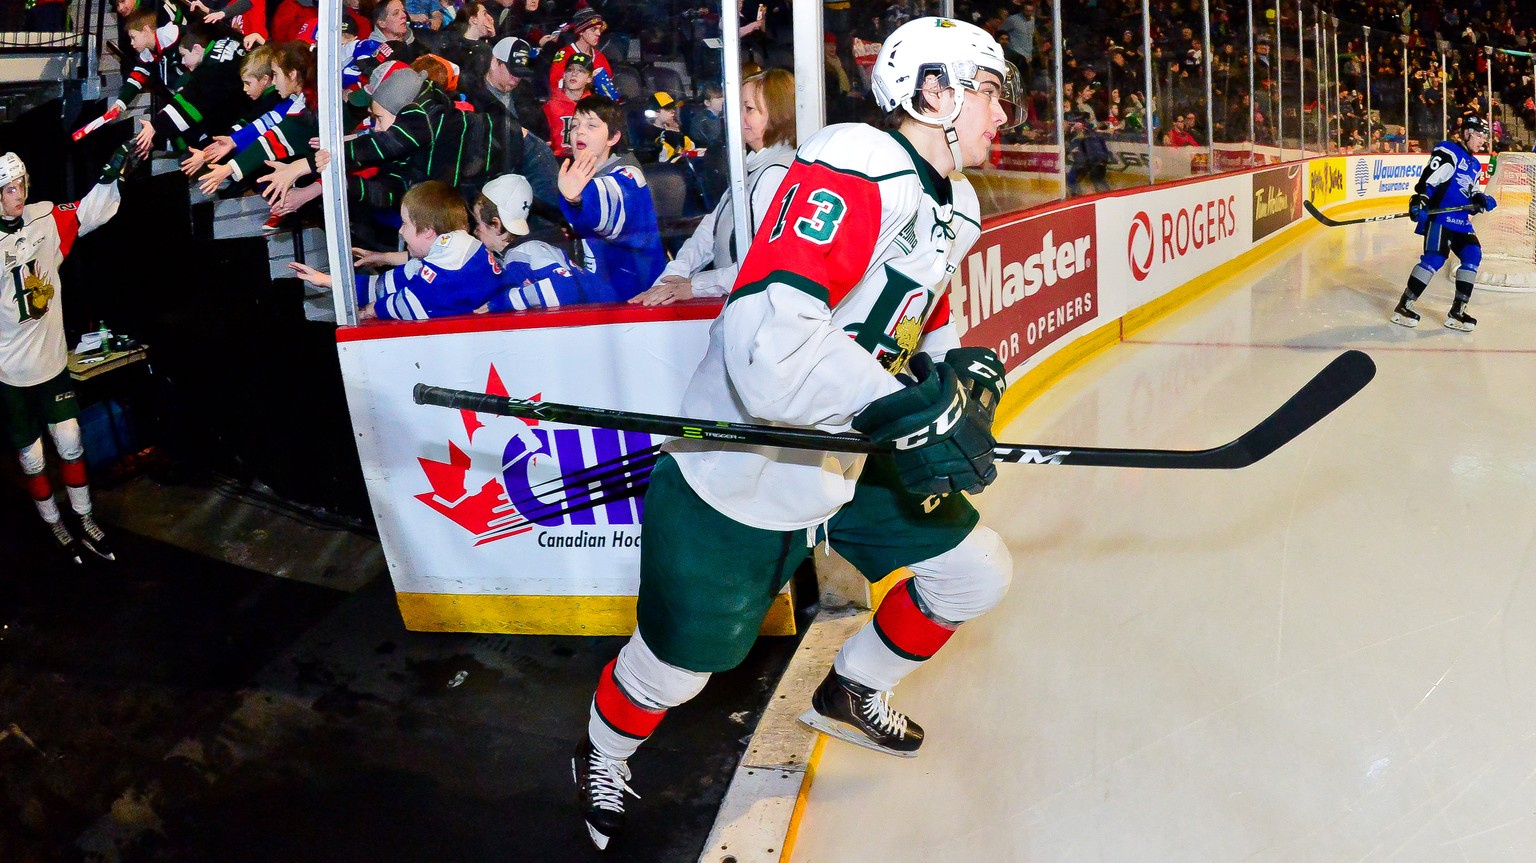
951 137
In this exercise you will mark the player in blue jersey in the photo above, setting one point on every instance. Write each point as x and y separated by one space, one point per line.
443 270
534 274
607 203
1450 180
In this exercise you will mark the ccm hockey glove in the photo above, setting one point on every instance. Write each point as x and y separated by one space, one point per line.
1483 203
1416 207
942 442
981 375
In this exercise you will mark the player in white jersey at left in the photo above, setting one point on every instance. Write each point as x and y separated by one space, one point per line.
36 392
839 318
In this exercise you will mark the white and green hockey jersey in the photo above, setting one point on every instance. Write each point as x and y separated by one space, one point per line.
32 344
846 277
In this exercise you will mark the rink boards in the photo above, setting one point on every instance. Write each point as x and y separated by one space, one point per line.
1044 288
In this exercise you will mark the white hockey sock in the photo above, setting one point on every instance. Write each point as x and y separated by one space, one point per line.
866 660
607 741
916 618
49 510
79 498
633 693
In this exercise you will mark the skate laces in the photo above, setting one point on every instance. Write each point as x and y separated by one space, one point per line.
91 528
877 709
61 533
607 781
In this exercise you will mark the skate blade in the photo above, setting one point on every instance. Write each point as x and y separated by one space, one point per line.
847 733
1401 321
103 554
1459 326
598 838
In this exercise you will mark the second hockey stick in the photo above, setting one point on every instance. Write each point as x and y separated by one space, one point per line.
1339 223
1346 375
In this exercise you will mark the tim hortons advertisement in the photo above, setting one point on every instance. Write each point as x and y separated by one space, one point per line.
1158 240
1326 181
1028 283
1276 199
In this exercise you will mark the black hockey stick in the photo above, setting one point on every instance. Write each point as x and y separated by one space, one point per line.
1331 387
1337 223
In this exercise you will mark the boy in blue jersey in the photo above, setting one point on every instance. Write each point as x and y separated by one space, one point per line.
1450 180
534 273
443 270
607 203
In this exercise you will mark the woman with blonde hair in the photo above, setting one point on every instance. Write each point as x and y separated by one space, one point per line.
706 264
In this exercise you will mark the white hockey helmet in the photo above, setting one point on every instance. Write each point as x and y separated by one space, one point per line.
955 51
12 169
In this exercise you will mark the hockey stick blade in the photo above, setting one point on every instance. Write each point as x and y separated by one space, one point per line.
1331 387
1337 223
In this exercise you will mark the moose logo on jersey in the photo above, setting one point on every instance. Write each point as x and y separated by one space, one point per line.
895 323
33 292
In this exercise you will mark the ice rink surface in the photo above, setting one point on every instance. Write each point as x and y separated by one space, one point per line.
1328 656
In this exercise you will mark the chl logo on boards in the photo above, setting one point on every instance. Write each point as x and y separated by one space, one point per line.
526 484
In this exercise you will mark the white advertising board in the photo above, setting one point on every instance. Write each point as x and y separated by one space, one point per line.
464 501
1157 240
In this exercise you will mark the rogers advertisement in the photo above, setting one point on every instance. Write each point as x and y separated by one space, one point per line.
1029 283
1277 199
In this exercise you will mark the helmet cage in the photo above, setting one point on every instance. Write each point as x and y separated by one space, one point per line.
957 74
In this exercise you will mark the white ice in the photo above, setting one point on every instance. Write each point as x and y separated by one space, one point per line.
1328 656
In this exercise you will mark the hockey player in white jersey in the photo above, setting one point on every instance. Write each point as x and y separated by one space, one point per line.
35 388
838 320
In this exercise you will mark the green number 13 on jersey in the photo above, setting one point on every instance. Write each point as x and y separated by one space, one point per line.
819 227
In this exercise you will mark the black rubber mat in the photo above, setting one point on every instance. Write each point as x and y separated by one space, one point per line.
173 708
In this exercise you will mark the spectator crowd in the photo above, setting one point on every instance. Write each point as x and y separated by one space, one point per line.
514 154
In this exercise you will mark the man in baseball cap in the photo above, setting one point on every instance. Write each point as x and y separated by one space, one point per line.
502 88
515 54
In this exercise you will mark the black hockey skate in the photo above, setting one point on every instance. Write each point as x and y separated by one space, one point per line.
850 711
601 783
1458 319
1404 315
68 545
94 538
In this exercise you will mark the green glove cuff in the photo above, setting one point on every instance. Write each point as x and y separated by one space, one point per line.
981 373
113 169
914 408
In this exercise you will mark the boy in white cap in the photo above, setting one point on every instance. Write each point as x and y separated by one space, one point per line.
535 274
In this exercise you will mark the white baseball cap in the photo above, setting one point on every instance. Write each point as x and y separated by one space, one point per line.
513 198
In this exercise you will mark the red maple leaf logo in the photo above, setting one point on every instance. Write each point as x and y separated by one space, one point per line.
485 510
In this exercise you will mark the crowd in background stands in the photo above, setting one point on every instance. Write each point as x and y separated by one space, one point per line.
1104 69
538 119
463 92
